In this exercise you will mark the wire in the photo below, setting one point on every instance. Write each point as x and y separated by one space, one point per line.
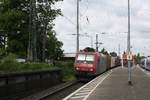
87 8
69 20
84 16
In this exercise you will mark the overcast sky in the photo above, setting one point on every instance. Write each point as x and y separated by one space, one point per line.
110 16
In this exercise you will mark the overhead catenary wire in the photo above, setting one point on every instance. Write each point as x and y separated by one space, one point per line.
72 22
68 19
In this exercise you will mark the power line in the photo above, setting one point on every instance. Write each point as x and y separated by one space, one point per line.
69 20
87 8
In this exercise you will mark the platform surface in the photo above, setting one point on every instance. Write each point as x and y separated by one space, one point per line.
115 86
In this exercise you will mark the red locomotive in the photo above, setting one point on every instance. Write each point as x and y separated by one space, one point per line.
91 64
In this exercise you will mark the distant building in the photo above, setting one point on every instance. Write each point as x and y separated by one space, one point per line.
69 56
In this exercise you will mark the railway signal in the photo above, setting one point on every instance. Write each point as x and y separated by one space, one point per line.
129 56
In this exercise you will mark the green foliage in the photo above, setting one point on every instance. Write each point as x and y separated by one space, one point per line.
68 71
88 49
114 54
138 55
54 48
49 47
2 52
103 51
14 21
138 58
36 67
10 65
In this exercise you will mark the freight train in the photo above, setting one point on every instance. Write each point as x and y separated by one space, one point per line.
145 63
90 64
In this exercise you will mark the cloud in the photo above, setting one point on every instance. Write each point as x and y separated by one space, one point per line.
105 16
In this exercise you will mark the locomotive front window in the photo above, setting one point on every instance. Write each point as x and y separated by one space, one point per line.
85 58
81 58
89 58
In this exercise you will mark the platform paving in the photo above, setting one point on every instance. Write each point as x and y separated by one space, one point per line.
115 86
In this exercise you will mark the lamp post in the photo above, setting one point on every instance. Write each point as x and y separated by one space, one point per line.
128 45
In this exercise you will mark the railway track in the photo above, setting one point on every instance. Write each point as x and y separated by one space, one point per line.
78 90
63 93
83 92
55 93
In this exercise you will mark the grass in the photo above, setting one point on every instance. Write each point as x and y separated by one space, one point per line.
67 70
10 65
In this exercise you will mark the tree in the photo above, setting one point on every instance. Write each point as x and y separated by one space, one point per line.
28 25
138 58
103 51
88 49
52 49
2 44
138 55
45 17
113 54
14 23
1 41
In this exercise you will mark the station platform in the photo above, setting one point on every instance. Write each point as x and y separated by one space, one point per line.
115 86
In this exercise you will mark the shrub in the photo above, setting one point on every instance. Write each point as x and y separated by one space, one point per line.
9 63
36 67
67 70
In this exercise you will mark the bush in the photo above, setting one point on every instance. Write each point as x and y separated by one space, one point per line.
67 69
36 67
9 65
2 52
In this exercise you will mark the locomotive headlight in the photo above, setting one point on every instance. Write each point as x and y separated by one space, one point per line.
77 68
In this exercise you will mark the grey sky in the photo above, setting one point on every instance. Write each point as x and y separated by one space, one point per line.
108 16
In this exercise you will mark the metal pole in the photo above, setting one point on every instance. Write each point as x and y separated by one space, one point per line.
77 26
119 50
97 42
128 45
91 41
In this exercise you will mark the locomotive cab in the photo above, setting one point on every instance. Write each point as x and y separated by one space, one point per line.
85 62
85 65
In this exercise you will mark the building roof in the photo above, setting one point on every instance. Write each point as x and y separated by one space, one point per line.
69 54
